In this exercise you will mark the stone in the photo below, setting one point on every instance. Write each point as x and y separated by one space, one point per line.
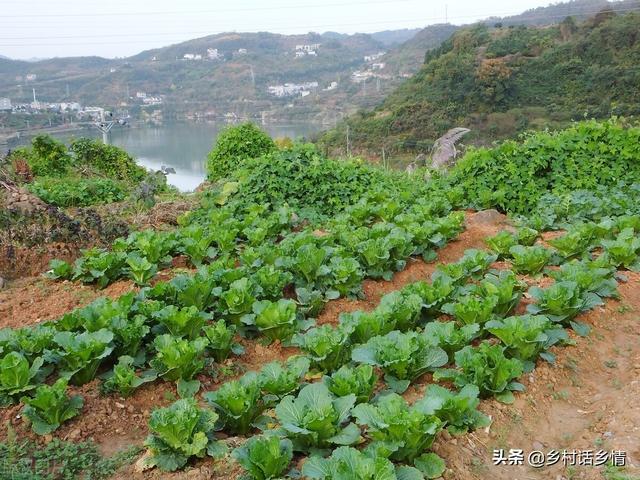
538 445
3 283
488 217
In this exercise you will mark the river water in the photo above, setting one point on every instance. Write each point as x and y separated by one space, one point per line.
180 145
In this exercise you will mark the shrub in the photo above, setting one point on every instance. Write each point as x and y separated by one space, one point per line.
76 192
107 159
234 145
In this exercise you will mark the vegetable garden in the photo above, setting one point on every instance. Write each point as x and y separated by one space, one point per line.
261 270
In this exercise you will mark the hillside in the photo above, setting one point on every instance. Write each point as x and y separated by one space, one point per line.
232 75
499 81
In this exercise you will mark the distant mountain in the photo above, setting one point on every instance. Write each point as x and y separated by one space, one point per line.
499 81
391 38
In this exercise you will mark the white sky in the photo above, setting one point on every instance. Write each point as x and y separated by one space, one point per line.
116 28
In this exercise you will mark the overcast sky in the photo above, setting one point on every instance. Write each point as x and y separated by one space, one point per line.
117 28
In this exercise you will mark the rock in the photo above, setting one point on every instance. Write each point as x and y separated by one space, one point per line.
488 217
119 405
3 283
75 434
194 472
538 445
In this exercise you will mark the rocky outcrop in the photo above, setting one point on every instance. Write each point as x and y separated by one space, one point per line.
23 201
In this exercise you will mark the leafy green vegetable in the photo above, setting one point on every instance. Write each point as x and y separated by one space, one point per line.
182 322
239 403
624 250
327 347
179 432
123 378
50 407
17 376
486 367
527 337
527 236
403 357
457 410
506 287
347 463
238 300
449 337
501 243
359 380
275 320
81 355
221 344
265 457
562 301
472 309
178 358
589 276
529 260
282 379
141 270
574 243
316 419
59 270
398 431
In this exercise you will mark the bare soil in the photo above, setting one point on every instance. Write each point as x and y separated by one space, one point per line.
588 399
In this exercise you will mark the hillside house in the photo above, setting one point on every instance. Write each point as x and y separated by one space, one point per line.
213 54
5 104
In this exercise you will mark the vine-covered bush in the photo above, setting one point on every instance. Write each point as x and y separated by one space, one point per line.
109 160
515 175
235 145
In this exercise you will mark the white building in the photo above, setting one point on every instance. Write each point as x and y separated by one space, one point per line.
359 76
189 56
378 66
293 89
141 95
307 48
242 51
332 86
5 103
152 101
31 77
213 54
373 57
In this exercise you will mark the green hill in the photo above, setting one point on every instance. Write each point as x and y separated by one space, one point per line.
499 81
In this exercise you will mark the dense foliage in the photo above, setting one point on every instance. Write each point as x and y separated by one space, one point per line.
233 146
501 81
87 173
514 176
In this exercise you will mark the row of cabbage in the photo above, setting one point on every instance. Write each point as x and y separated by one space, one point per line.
367 231
387 339
489 347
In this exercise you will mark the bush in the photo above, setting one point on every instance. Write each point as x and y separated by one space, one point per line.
303 178
234 145
77 192
514 176
107 159
46 157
